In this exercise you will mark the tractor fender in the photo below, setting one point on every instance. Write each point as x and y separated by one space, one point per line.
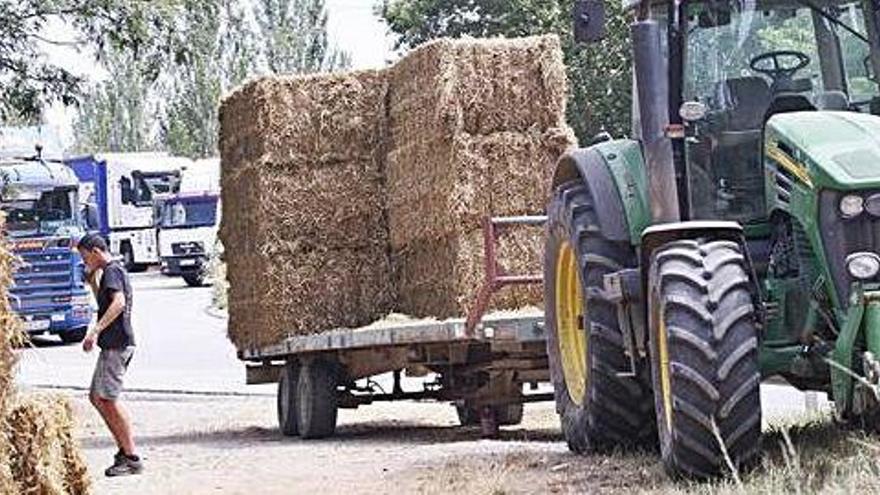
591 167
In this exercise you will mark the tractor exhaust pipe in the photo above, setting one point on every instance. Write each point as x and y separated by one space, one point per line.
653 105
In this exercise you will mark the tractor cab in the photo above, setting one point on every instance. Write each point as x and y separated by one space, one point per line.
735 64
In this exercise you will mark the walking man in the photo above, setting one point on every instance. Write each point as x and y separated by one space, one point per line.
114 336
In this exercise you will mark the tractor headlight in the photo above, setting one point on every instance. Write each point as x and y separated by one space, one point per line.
872 204
852 206
863 266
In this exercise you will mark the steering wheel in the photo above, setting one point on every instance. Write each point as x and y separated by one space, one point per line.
779 71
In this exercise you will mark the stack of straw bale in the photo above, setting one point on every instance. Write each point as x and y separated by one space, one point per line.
475 129
303 221
347 196
37 451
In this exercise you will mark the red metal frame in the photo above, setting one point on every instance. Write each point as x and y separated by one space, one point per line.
496 276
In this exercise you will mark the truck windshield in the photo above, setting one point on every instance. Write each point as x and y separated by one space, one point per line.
190 212
747 59
53 213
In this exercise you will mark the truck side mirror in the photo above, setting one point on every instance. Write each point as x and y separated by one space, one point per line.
589 21
126 190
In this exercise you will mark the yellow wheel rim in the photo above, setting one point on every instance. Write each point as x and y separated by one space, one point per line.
570 313
663 365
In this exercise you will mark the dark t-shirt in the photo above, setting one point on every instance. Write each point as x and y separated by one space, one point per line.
119 334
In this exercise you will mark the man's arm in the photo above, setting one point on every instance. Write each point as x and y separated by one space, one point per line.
117 306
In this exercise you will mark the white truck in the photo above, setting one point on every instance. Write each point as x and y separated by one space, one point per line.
121 195
188 223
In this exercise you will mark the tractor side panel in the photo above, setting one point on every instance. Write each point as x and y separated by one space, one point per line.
613 170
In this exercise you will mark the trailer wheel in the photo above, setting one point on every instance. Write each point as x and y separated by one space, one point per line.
506 415
316 400
599 409
128 259
704 348
74 336
287 389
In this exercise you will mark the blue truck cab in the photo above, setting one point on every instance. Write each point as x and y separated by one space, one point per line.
41 204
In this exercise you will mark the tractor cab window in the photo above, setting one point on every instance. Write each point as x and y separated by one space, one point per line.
749 59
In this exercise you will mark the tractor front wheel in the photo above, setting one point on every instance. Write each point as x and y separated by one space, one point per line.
704 353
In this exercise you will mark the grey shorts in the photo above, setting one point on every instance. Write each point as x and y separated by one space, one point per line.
109 371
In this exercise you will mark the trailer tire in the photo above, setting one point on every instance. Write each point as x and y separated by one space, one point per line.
287 389
74 336
505 415
316 399
704 354
127 253
599 410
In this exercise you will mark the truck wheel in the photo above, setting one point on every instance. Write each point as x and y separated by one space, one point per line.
287 387
506 415
194 279
598 409
74 336
316 400
704 354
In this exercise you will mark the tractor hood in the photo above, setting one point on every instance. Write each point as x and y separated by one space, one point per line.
839 150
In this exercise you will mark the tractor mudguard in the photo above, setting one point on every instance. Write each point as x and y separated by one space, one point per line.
591 167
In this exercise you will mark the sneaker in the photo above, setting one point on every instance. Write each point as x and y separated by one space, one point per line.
124 465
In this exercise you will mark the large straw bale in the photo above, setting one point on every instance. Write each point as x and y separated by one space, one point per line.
441 278
337 206
477 87
303 120
440 187
285 292
45 458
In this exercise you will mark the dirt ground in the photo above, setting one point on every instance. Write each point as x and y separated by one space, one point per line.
198 444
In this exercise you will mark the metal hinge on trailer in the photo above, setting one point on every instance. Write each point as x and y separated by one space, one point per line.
496 276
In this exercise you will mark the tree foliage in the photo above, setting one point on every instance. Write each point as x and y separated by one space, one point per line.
114 114
600 76
28 81
294 34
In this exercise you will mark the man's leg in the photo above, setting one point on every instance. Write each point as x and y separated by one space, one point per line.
117 420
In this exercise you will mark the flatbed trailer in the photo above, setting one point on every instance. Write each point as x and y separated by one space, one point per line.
481 362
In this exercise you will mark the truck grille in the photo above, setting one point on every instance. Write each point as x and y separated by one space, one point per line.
842 237
43 280
187 248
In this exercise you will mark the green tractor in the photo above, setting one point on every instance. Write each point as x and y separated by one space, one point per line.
735 238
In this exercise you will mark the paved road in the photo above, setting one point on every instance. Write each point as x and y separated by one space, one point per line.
180 346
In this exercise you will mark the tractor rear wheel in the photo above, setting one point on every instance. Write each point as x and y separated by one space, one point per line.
598 407
704 349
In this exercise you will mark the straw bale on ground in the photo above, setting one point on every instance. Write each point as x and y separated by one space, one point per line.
45 458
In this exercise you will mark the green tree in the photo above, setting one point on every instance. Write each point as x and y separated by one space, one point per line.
600 75
114 115
28 81
189 125
294 36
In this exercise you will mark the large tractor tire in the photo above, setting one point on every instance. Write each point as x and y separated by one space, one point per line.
598 407
287 388
704 355
74 336
196 279
316 401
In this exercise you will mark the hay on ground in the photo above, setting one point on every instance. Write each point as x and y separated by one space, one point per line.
44 457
